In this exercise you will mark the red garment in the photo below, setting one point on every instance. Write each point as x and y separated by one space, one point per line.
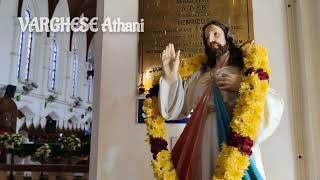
186 154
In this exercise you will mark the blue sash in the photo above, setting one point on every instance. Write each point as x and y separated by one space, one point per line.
224 130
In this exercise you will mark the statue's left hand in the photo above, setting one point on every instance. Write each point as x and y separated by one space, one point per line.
229 82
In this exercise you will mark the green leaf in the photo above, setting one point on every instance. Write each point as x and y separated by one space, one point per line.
18 98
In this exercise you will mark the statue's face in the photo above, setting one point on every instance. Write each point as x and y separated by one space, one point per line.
215 37
216 44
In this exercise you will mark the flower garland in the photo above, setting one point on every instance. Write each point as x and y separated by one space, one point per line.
234 156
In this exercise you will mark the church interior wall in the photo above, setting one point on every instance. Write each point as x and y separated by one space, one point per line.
308 37
40 66
271 31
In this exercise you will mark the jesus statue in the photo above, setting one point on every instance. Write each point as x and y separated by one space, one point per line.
222 72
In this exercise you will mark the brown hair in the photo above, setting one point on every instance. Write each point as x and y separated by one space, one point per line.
236 54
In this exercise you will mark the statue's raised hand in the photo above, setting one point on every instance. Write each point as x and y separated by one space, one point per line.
170 63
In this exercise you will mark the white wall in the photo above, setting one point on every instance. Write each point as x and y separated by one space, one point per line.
317 7
122 152
308 29
270 29
7 13
118 148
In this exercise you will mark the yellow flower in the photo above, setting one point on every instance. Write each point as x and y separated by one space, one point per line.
170 175
147 103
147 84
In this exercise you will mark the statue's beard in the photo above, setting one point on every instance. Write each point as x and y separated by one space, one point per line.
215 53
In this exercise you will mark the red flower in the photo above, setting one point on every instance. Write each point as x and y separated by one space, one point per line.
157 145
234 140
244 144
249 71
247 142
262 74
246 150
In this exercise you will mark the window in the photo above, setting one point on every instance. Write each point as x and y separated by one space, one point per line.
74 73
25 36
90 76
20 53
29 48
53 62
90 84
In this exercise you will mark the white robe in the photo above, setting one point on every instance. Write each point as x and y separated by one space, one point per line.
179 98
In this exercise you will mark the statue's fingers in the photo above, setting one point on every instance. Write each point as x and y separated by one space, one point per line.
173 52
167 53
169 50
178 56
163 56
